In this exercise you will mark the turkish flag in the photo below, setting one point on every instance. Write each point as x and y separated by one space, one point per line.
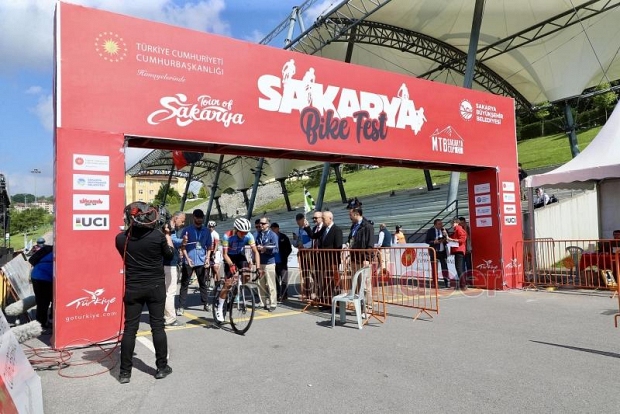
178 159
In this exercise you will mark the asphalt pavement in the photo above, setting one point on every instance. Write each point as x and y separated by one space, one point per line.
489 352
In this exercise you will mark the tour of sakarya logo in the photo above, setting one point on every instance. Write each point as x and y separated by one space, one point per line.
206 108
92 298
324 109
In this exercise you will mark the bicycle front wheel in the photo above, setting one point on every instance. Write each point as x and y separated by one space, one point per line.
241 309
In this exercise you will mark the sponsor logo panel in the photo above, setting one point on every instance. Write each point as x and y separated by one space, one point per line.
91 222
91 182
87 162
91 202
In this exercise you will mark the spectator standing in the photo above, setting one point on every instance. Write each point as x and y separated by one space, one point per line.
331 238
399 236
384 243
216 255
171 268
522 175
267 246
465 226
144 249
460 236
315 232
436 237
284 251
361 236
42 277
198 245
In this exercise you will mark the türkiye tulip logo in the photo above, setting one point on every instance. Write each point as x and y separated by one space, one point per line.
110 47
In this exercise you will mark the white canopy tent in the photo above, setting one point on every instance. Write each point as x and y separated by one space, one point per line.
597 165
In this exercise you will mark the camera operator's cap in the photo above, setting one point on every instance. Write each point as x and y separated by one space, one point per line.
275 225
40 240
198 213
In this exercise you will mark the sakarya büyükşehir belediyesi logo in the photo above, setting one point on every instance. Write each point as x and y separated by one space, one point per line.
110 46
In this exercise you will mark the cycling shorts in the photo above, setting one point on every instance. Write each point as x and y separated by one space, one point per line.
238 260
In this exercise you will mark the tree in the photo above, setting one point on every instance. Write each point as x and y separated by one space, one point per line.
605 100
202 193
172 198
541 114
22 198
29 219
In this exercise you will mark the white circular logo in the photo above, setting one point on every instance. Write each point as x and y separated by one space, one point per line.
467 111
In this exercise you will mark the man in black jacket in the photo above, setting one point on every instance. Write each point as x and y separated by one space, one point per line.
143 248
361 236
284 251
436 238
331 238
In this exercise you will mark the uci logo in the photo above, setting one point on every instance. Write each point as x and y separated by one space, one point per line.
510 220
91 222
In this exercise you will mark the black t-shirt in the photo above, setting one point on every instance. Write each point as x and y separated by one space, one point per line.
144 257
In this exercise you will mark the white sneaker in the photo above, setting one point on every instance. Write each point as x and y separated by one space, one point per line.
219 316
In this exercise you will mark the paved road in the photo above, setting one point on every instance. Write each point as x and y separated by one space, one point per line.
512 352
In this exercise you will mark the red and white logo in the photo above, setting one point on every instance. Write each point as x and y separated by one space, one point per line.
82 202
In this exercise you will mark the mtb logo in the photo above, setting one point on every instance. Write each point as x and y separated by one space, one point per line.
91 222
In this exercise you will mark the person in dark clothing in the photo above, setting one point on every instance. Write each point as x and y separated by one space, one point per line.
361 236
42 276
144 249
436 237
284 251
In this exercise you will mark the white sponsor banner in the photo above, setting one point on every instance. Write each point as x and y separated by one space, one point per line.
91 182
483 211
88 162
508 185
509 197
483 199
510 208
484 221
91 222
482 188
90 202
20 380
510 220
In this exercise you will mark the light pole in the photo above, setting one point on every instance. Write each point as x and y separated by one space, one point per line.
35 172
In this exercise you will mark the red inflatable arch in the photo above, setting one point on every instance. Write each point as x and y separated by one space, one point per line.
121 81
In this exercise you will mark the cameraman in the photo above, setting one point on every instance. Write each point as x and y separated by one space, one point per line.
144 248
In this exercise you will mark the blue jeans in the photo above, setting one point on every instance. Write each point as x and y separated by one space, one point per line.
154 297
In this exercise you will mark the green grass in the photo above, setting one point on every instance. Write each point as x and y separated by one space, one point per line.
533 153
17 240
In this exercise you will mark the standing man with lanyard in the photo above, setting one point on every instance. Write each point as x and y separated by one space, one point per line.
267 246
361 237
198 248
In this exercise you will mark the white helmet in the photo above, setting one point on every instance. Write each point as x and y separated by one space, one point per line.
242 224
211 223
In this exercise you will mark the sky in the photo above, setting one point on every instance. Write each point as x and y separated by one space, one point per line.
26 66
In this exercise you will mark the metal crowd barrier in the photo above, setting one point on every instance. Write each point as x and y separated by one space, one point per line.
578 264
400 277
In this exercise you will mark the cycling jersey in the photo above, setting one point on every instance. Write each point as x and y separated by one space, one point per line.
235 246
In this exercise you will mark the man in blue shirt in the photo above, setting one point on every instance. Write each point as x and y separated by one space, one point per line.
198 247
267 246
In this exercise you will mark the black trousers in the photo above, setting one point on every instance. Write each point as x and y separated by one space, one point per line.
186 273
43 295
459 264
154 297
282 280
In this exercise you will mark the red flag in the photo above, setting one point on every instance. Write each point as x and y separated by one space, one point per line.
178 159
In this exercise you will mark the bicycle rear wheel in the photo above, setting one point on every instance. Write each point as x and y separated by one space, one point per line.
241 309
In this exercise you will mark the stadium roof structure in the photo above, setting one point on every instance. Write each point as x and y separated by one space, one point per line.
531 50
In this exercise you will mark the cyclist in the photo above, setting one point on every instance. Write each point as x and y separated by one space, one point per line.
234 257
216 254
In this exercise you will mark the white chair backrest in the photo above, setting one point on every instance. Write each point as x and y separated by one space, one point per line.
358 288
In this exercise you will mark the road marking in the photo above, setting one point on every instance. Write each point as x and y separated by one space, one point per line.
147 343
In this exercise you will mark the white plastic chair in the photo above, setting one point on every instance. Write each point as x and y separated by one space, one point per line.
355 296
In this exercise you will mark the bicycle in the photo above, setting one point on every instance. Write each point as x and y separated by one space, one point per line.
239 303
